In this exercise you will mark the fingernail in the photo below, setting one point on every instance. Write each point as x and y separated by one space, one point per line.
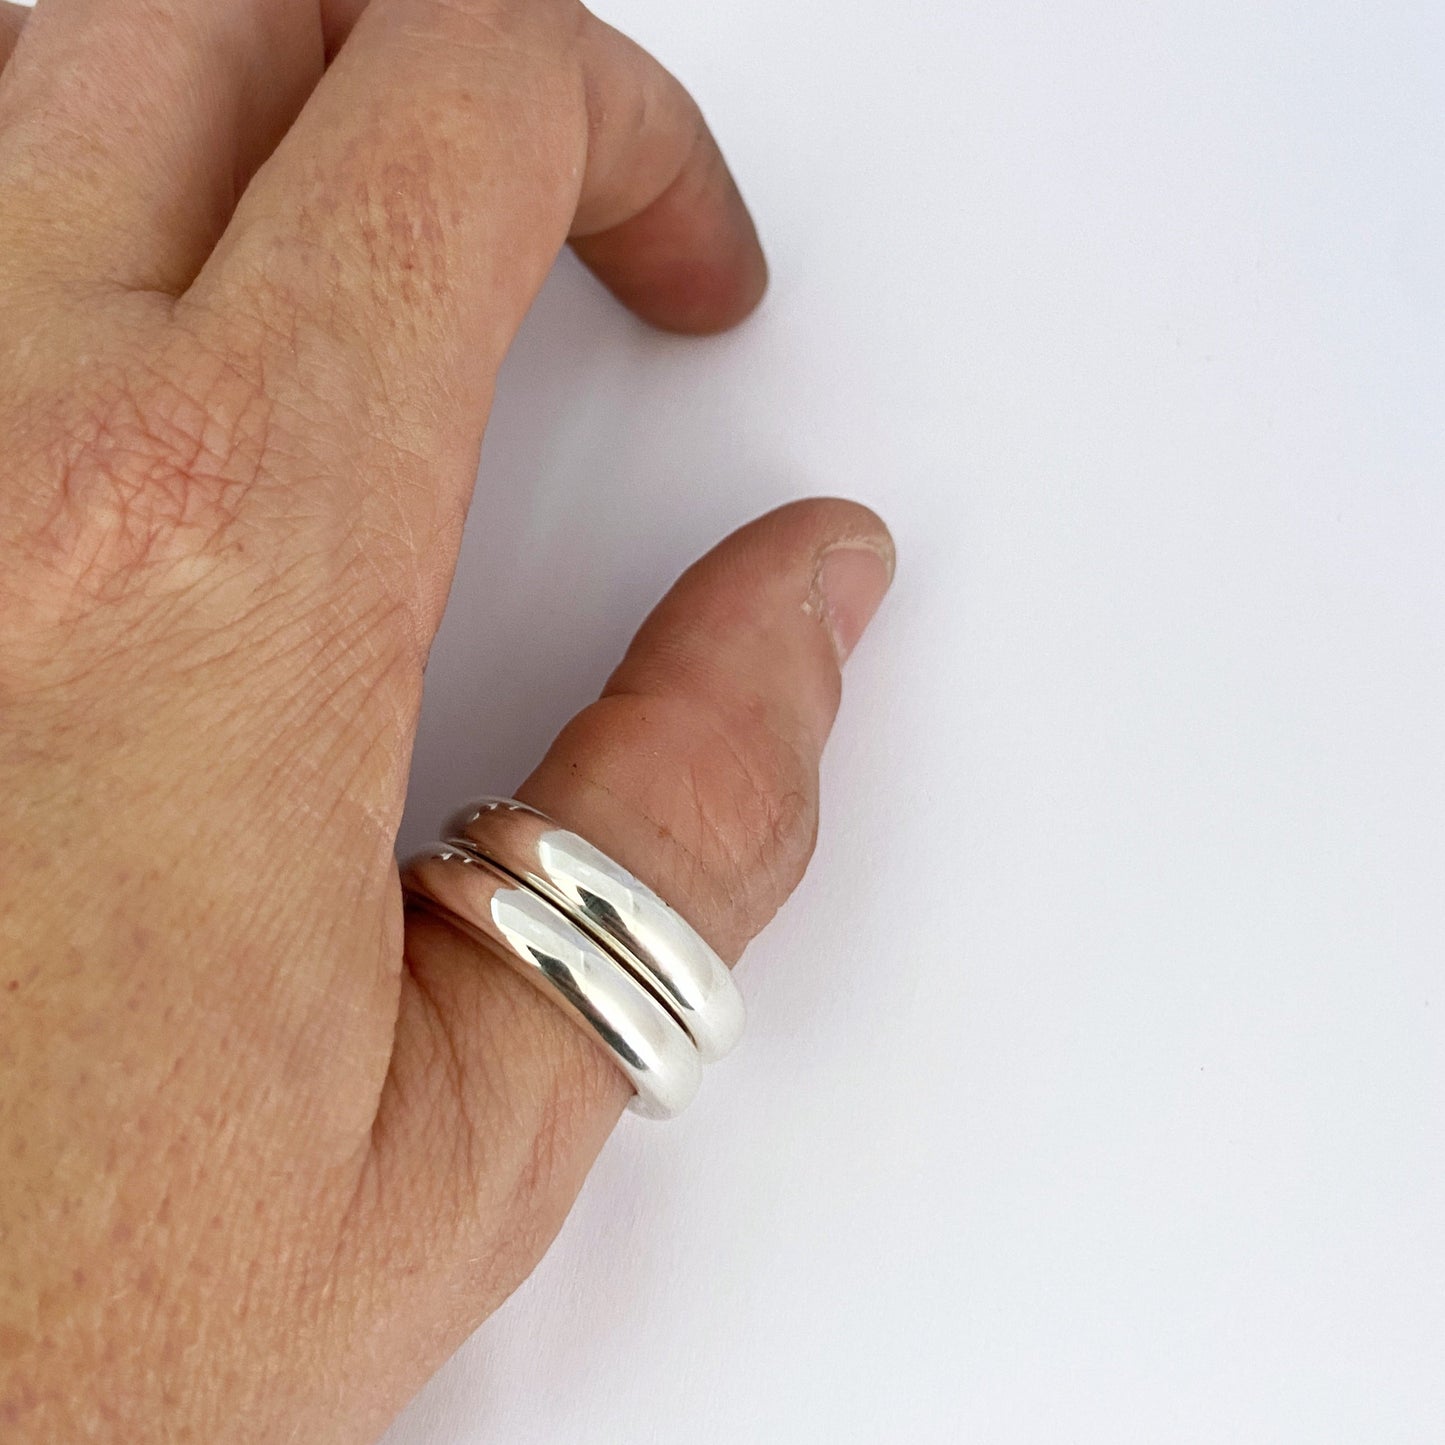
853 578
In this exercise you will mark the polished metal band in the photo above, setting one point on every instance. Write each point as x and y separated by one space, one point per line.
597 941
655 943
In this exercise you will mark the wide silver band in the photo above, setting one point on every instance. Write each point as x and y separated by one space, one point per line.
596 940
556 956
659 946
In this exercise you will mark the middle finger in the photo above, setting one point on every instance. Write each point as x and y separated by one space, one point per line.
127 127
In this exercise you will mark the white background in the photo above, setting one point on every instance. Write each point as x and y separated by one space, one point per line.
1095 1086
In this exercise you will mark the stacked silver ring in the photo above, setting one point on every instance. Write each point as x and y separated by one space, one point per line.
577 925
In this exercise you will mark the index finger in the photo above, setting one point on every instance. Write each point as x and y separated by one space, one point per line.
452 148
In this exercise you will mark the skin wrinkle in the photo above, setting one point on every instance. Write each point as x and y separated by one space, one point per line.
768 816
447 1055
507 1010
389 531
147 483
475 1173
642 125
213 1138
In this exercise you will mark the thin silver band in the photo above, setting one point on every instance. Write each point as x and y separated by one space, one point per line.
551 952
620 912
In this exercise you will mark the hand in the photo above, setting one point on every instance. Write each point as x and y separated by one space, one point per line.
269 1149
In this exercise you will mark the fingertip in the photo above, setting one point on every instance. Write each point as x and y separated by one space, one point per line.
717 299
739 278
697 290
690 262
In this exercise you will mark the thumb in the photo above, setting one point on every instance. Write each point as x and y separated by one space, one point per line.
698 771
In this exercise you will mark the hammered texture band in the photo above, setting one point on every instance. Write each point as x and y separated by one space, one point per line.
619 961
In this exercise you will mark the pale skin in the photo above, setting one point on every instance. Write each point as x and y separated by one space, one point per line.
272 1145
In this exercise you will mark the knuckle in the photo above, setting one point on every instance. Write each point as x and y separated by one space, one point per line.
138 478
750 795
157 532
129 511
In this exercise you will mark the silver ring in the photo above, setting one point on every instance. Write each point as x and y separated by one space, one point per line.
551 952
651 939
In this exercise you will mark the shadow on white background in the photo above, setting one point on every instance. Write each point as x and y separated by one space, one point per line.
614 458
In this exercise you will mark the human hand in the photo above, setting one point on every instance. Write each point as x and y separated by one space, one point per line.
269 1147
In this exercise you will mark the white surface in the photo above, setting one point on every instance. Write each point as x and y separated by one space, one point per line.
1130 1128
